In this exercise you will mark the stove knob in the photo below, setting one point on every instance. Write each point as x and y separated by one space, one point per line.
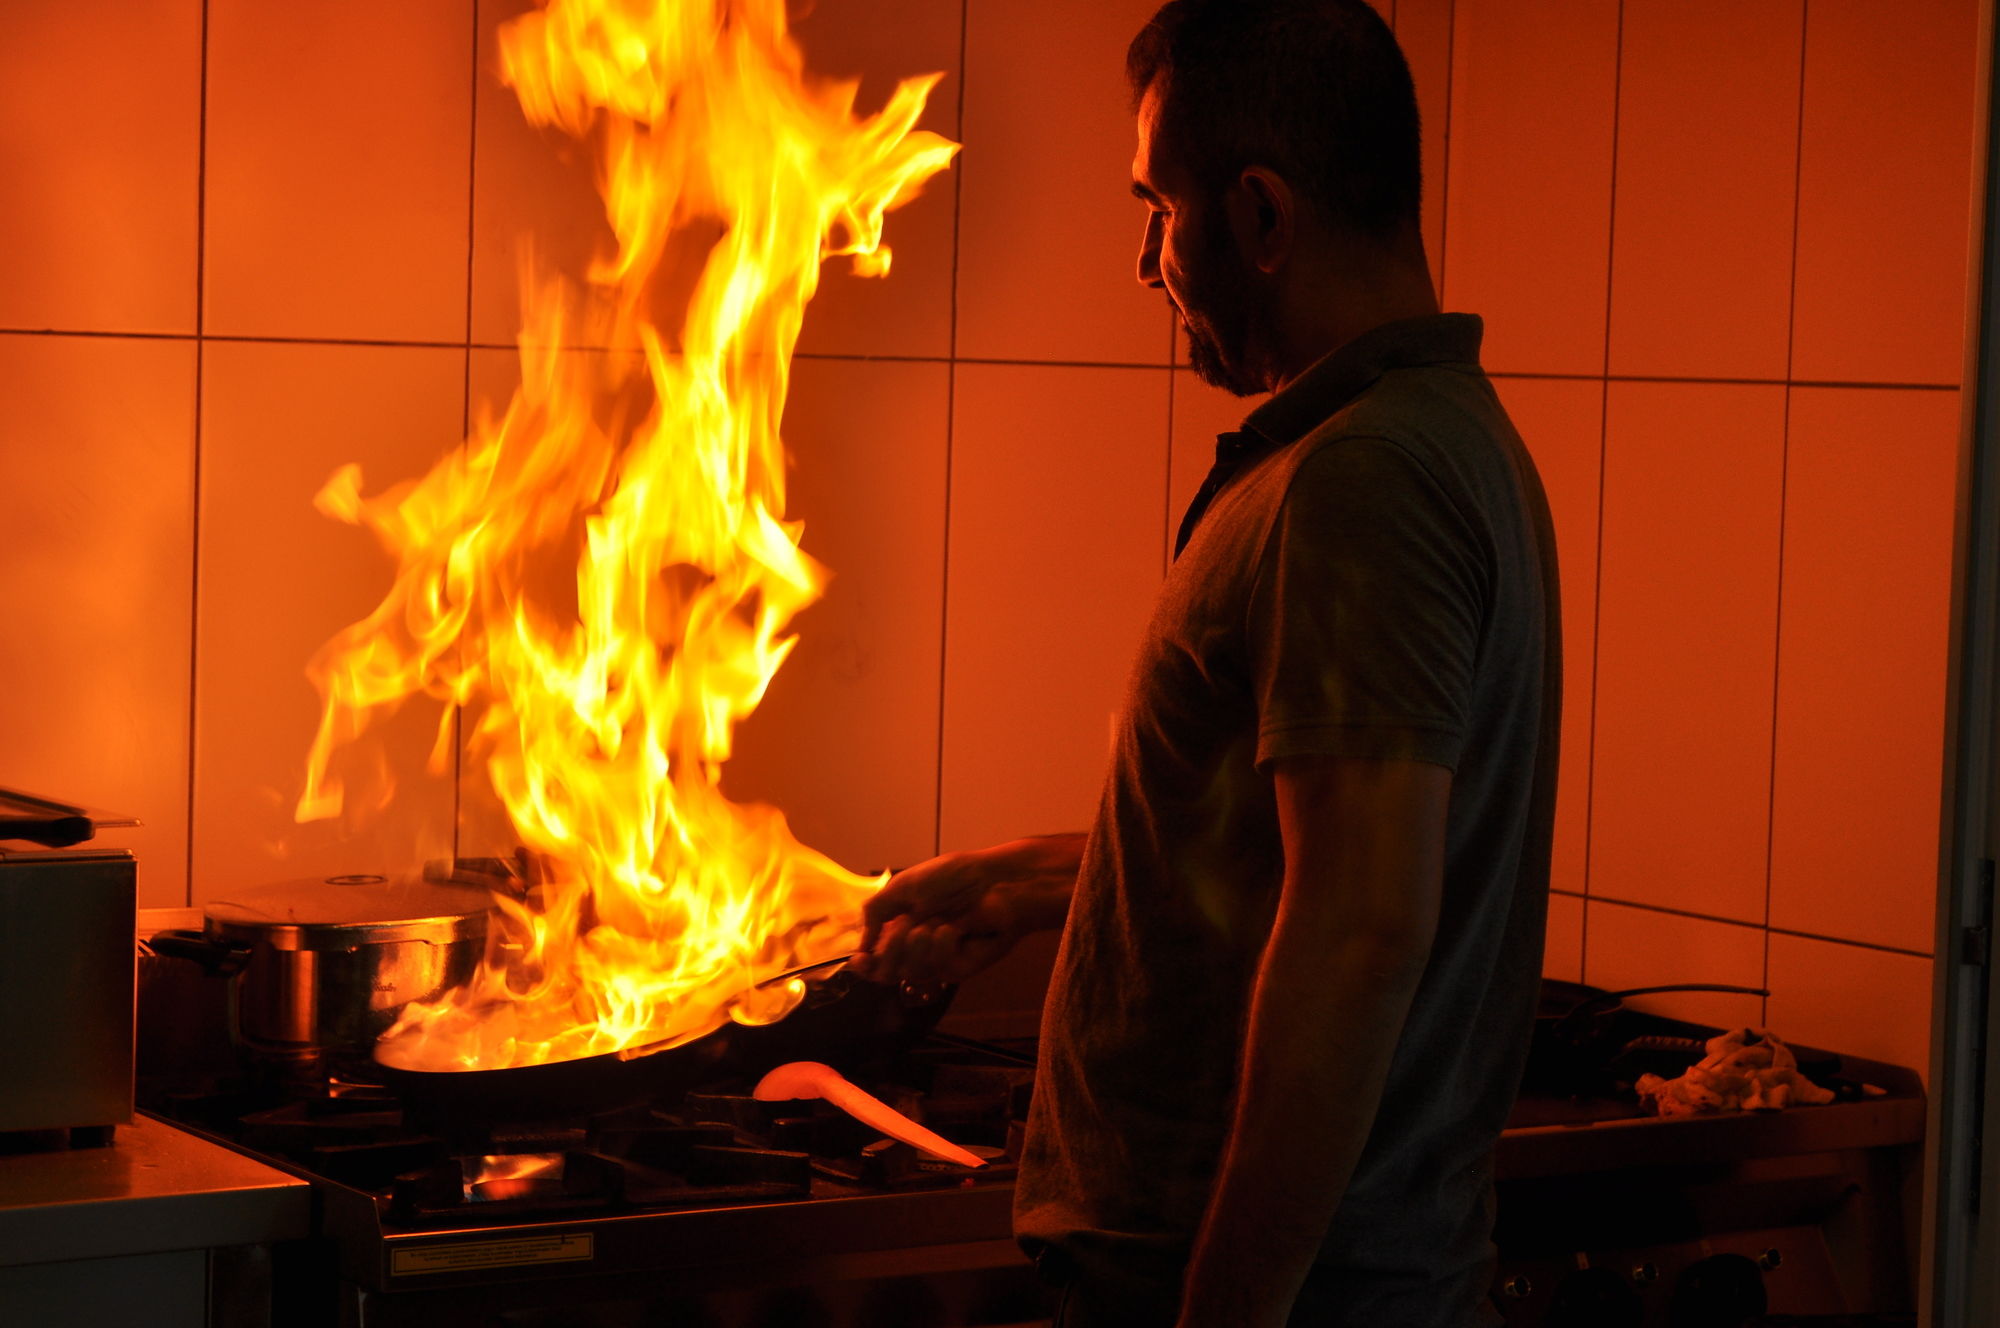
1594 1298
1721 1291
1517 1287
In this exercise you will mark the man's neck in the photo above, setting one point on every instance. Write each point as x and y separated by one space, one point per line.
1351 298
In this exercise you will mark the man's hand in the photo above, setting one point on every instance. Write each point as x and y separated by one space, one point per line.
946 919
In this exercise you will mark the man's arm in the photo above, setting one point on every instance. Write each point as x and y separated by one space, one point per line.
945 919
1364 867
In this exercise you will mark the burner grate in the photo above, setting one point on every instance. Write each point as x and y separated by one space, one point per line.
713 1148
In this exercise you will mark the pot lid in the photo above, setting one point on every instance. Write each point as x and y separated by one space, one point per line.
341 912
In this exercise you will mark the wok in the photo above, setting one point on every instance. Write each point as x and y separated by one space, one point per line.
843 1020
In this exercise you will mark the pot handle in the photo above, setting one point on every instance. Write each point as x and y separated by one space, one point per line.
219 958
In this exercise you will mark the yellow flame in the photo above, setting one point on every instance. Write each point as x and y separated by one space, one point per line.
649 465
509 1175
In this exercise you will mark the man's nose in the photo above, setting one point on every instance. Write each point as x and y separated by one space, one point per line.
1149 253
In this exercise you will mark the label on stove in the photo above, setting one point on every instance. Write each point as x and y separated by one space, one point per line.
470 1255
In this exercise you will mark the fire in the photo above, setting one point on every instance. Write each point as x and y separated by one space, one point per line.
642 455
509 1175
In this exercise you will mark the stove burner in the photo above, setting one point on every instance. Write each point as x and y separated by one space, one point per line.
710 1149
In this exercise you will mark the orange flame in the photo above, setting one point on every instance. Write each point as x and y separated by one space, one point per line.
606 704
510 1175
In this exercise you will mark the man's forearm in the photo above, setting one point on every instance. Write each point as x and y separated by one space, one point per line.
1323 1028
1041 876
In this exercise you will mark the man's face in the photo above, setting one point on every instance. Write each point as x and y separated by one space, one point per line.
1189 252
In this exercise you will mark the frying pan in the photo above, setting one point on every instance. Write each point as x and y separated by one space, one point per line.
557 1089
844 1021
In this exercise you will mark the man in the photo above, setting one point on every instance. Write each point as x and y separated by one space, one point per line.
1303 938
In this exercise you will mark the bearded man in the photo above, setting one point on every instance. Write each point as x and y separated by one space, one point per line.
1303 938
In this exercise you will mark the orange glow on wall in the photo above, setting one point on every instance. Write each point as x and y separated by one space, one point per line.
228 272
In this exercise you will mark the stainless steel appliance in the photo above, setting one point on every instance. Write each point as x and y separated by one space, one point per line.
321 967
66 970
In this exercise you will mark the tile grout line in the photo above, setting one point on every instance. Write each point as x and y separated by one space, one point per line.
950 433
1722 382
238 338
1596 640
1784 496
1444 149
987 360
465 400
194 494
1603 457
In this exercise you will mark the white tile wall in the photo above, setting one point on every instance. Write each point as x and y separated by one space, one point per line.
278 579
1884 191
1641 947
338 166
100 130
1687 641
1058 483
1529 175
997 522
1701 276
97 465
1860 703
1872 1002
847 738
1049 231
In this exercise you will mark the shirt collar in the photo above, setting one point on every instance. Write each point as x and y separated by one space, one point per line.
1340 376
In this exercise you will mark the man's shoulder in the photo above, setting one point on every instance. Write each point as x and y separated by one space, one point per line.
1443 422
1421 406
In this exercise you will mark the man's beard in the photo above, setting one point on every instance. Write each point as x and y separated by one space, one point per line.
1228 330
1213 366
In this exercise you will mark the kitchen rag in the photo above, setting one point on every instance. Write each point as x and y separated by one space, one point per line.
1745 1070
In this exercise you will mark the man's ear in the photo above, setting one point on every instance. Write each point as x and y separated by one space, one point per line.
1263 216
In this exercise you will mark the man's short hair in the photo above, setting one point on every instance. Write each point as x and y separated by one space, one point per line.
1317 90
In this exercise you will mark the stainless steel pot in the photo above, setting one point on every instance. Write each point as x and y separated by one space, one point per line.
322 967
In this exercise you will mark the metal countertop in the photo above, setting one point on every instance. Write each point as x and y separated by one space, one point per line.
155 1189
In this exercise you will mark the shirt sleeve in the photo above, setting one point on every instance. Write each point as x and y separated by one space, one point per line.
1366 612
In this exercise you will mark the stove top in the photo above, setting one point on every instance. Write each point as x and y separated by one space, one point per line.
713 1147
675 1212
692 1187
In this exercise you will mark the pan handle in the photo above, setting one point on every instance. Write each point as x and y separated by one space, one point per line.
1679 986
804 969
1577 1013
220 958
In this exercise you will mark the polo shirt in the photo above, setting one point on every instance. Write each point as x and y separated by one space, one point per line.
1374 577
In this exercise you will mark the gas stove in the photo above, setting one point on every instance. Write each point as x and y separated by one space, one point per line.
719 1210
717 1202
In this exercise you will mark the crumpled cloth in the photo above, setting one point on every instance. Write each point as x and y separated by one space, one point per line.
1745 1070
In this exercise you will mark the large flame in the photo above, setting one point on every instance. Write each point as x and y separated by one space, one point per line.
648 472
